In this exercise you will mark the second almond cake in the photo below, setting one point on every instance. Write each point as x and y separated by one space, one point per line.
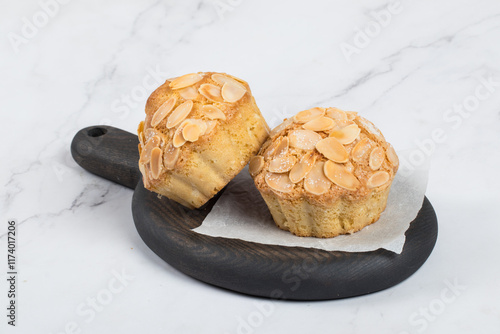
325 172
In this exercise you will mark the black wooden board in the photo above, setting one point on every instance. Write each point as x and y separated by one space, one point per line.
270 271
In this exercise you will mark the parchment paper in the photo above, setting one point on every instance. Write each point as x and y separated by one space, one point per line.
241 213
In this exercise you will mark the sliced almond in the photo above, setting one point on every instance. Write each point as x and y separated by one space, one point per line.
185 80
142 139
304 139
279 182
202 124
347 134
191 132
188 93
269 150
308 115
361 150
282 164
145 177
212 112
232 91
339 175
351 115
210 126
179 114
221 79
277 148
301 168
378 179
281 127
255 165
193 129
171 156
319 124
211 92
377 157
342 123
178 140
163 111
140 133
282 148
148 148
150 133
332 149
336 113
392 156
370 128
315 181
156 162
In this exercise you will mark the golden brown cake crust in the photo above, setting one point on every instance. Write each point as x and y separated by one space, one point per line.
200 131
325 172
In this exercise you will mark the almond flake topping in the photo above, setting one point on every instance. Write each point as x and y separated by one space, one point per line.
308 115
319 124
163 111
282 148
255 165
347 134
188 93
316 182
171 156
304 139
377 157
282 164
178 139
145 177
272 147
193 129
221 79
150 133
378 179
351 115
210 126
336 113
179 114
140 133
150 145
301 168
232 91
332 150
156 162
212 112
185 80
277 148
281 127
279 182
392 156
339 175
211 92
361 149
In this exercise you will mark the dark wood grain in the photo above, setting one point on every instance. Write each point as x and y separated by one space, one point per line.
265 270
108 152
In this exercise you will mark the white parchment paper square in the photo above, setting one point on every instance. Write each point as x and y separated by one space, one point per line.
241 213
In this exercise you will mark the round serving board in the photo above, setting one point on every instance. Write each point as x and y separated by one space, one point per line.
256 269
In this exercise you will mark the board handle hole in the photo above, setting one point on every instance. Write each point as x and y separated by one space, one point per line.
97 132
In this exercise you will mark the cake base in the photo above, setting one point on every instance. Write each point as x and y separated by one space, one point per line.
306 219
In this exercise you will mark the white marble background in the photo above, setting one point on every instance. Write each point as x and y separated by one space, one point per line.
420 75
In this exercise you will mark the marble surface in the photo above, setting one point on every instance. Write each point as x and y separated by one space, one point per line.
427 72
